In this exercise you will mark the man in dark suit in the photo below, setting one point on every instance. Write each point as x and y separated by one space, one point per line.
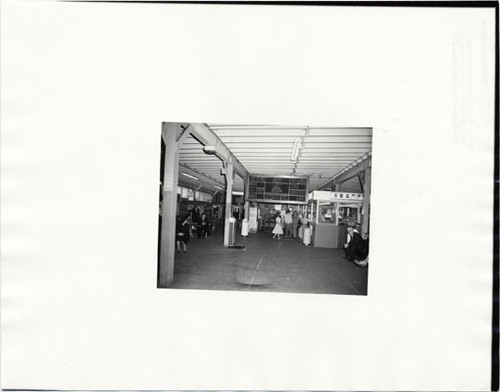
356 248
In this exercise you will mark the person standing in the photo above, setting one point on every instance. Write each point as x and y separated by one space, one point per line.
197 222
300 230
288 224
204 224
278 229
307 234
182 234
295 224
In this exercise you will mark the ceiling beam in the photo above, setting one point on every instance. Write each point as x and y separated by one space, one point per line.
208 138
202 177
254 126
350 171
196 186
366 145
361 184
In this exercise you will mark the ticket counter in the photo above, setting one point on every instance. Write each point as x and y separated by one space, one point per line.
330 214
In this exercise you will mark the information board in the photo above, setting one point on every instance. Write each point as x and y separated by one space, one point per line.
291 190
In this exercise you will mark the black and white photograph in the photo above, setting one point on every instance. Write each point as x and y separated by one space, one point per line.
265 208
261 196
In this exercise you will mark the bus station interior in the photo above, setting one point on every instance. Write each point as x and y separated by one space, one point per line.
240 177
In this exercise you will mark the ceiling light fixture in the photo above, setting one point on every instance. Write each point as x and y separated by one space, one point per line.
296 149
217 186
190 176
210 150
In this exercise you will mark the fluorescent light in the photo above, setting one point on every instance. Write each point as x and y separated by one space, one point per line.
295 150
190 176
218 187
238 193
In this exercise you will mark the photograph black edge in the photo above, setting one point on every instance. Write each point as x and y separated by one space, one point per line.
495 374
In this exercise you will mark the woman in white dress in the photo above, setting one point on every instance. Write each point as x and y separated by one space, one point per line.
278 229
307 233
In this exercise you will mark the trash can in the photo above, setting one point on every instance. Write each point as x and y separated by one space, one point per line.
232 231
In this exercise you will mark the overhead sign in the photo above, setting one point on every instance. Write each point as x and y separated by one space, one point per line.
287 190
346 196
336 196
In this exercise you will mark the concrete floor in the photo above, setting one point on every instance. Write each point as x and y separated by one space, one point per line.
266 265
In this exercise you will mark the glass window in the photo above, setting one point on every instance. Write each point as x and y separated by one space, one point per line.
349 215
327 213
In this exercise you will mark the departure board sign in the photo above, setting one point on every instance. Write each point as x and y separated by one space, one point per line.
291 190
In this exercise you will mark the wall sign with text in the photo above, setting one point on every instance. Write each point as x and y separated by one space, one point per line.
345 196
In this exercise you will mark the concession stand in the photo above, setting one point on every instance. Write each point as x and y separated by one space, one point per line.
330 214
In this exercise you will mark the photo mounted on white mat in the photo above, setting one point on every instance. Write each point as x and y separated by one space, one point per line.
265 208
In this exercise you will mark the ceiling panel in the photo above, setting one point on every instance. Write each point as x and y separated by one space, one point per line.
340 132
267 149
259 132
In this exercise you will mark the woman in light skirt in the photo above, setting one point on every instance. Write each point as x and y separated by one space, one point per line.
278 228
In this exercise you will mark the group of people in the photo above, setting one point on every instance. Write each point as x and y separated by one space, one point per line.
356 247
184 226
292 225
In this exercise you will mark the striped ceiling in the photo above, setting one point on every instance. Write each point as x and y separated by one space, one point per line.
267 150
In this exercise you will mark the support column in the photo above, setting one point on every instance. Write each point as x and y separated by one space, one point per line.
361 182
170 132
229 173
247 203
366 200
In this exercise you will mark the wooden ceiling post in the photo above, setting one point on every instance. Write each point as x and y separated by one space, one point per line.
361 184
247 203
170 133
229 173
366 201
